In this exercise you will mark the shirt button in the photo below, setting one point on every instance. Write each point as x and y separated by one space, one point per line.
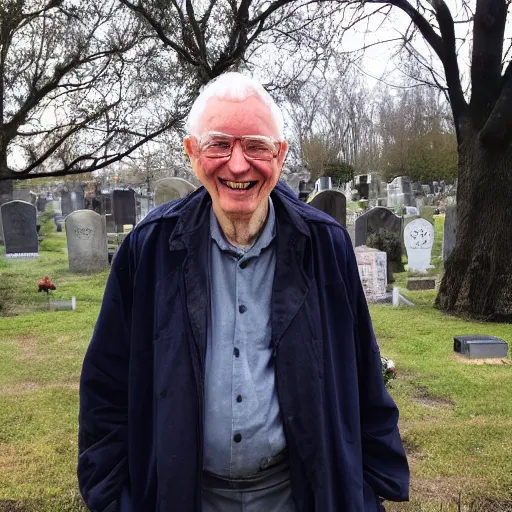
242 309
237 438
239 398
243 264
236 352
163 394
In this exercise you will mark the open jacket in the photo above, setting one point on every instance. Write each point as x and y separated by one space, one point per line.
142 393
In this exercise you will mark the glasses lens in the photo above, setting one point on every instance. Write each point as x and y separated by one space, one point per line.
259 148
217 146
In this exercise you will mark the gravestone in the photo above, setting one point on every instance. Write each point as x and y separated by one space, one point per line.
450 230
400 192
41 204
372 267
373 221
420 283
418 241
22 194
170 189
123 208
19 223
109 222
86 235
323 183
72 199
333 203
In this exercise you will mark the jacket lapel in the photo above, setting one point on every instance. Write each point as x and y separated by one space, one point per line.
292 280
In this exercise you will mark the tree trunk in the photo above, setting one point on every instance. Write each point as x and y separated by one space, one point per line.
477 282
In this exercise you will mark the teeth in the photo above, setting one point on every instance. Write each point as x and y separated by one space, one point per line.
238 185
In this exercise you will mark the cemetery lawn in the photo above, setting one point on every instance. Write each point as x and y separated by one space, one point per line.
456 418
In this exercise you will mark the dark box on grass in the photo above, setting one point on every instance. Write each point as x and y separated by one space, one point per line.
480 346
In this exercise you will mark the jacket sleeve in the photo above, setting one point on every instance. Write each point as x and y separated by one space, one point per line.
103 426
385 466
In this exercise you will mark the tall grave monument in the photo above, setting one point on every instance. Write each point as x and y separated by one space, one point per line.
123 208
450 230
19 223
72 199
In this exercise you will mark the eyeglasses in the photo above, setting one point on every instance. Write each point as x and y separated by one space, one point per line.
254 147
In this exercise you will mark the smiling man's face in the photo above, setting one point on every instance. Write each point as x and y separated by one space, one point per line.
239 186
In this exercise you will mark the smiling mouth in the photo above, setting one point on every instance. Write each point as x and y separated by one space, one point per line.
238 185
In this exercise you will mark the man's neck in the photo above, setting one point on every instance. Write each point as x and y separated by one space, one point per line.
241 231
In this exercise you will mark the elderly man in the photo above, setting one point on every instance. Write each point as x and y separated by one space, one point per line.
233 366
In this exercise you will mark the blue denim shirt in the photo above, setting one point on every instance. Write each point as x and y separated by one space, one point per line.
242 417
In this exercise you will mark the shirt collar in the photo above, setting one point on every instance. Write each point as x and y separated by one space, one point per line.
264 239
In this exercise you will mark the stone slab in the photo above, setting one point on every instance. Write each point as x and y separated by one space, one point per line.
480 346
420 283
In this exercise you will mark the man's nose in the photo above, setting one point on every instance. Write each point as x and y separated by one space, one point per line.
238 163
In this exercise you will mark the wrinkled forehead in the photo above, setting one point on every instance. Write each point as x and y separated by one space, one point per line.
248 117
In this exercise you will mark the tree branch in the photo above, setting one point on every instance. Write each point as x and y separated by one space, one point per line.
182 52
444 46
97 164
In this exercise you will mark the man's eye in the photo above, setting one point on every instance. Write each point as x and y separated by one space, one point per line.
219 144
256 146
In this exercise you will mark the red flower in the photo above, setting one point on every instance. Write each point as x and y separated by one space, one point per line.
45 285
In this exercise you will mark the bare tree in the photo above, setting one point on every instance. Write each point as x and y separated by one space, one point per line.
333 120
80 87
214 36
478 275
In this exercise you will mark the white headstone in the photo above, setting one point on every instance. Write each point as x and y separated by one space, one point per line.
418 240
372 266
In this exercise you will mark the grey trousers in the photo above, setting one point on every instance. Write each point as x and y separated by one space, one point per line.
275 498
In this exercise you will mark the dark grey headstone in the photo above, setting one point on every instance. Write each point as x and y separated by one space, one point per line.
170 189
373 221
41 204
450 230
333 203
123 207
87 241
72 199
19 220
480 346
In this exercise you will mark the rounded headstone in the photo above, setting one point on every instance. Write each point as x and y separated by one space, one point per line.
418 240
19 225
170 189
332 202
87 241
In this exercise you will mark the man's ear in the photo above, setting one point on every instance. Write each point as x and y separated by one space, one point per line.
283 151
190 145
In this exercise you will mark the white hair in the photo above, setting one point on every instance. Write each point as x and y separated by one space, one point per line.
232 86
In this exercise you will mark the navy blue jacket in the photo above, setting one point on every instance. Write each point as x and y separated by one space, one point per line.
141 390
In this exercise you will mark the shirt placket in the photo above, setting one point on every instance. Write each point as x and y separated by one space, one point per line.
239 373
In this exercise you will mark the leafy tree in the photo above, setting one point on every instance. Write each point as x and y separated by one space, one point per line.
339 171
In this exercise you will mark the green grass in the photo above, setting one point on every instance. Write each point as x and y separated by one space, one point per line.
456 418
